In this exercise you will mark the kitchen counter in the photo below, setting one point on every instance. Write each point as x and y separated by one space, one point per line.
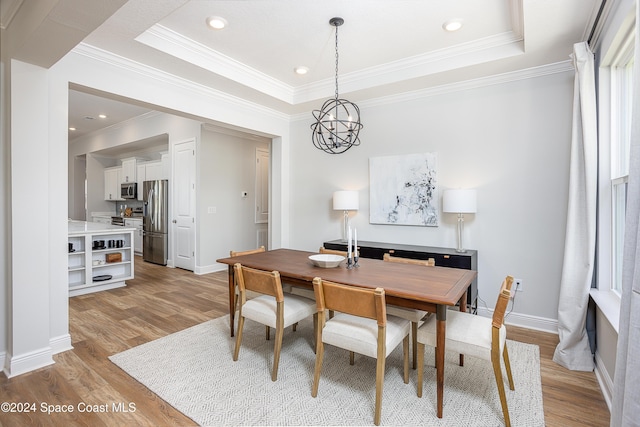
78 228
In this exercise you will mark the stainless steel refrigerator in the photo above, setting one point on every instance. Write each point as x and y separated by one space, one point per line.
155 224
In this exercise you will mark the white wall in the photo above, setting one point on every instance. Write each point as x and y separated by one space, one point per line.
227 167
510 141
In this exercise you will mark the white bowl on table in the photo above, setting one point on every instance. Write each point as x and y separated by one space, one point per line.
326 260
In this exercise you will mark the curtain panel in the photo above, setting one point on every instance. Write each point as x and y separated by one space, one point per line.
573 352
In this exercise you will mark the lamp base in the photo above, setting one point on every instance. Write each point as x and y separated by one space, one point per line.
460 227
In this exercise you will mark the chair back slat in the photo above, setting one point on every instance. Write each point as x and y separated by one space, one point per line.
264 282
323 250
503 300
249 252
369 303
431 262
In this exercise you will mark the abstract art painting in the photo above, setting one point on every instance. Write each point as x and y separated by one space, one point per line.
404 190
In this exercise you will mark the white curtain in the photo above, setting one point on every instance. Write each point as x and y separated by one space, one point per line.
625 409
573 351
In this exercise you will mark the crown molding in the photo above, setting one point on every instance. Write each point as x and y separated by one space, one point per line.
529 73
492 48
172 43
463 55
101 55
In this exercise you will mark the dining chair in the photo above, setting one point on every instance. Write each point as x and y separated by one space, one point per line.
361 325
272 308
412 315
286 288
250 294
475 336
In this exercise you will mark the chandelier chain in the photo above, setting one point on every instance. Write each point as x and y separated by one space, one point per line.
336 62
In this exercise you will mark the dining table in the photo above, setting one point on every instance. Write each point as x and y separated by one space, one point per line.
432 289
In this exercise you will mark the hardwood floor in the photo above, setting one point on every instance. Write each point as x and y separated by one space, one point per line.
161 301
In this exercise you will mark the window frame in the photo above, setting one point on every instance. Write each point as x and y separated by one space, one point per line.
611 176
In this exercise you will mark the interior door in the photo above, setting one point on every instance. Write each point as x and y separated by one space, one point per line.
262 186
184 204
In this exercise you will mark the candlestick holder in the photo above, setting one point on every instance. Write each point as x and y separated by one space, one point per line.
349 263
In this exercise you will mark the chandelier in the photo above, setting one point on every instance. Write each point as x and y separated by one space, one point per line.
337 123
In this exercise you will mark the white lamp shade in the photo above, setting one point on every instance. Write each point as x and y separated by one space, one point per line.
459 201
345 201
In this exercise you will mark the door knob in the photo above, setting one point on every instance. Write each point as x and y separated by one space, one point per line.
174 221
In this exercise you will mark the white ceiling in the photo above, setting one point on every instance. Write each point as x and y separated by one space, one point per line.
386 47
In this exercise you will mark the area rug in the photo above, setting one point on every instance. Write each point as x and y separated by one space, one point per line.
193 371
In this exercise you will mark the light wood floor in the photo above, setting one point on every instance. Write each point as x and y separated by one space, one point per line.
161 301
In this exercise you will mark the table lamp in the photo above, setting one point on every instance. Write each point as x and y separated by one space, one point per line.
345 201
460 202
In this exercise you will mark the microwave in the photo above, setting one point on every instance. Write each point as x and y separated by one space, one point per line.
129 190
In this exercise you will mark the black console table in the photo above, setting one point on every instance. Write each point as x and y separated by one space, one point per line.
444 257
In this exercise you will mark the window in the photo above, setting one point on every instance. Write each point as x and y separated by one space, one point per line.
617 70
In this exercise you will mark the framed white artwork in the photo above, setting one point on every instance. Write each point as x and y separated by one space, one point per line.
404 190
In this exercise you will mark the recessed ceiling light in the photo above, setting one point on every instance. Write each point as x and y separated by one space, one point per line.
302 70
102 116
216 22
452 25
72 129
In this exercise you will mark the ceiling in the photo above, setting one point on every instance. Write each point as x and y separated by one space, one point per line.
386 47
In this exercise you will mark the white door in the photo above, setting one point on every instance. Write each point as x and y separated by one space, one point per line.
184 204
262 186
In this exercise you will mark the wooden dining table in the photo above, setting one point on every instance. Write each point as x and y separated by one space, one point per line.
432 289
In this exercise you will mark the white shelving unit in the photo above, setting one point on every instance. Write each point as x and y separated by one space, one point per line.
86 262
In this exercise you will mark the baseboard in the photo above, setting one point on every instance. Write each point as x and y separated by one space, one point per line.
210 268
60 344
525 321
17 365
605 381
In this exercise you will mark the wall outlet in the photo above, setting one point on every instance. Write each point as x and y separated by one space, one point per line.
517 284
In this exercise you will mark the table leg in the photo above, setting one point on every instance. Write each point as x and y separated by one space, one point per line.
463 307
232 299
441 330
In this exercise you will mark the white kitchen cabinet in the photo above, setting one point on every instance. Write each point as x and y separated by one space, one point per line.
166 166
112 180
153 171
129 170
137 235
148 171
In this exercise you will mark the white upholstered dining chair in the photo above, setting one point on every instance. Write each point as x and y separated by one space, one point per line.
475 336
361 325
412 315
272 308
